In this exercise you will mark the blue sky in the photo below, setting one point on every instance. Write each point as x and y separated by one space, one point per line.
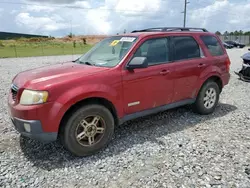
59 17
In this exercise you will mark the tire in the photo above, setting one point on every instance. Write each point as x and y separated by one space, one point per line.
200 106
80 124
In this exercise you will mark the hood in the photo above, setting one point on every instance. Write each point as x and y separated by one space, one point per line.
246 56
238 42
55 73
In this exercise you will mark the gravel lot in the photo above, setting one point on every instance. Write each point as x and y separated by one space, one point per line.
176 148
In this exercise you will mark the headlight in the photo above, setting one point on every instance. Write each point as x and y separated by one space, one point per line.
30 97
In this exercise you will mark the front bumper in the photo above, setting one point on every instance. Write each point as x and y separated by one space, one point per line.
244 73
33 129
243 78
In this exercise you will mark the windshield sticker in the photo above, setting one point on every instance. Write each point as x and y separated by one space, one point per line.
115 42
127 39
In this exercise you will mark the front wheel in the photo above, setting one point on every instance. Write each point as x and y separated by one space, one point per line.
207 98
88 130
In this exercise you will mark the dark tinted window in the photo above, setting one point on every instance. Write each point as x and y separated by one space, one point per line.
156 51
213 45
186 48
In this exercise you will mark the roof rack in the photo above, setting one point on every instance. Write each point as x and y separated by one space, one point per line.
166 29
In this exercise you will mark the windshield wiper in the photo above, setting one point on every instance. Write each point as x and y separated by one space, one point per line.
75 60
86 63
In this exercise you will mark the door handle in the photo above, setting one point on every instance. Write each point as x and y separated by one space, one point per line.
201 65
164 72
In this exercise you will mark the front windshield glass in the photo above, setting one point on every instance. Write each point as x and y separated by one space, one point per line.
109 52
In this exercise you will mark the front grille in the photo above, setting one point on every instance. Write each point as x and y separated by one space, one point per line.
14 90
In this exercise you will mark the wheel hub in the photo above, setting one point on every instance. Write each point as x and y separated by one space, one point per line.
90 130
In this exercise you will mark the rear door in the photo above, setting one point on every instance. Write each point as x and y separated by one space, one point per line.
149 87
189 63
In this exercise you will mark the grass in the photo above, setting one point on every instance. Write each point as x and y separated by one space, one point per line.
48 48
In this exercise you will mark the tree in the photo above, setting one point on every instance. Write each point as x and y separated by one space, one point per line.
236 33
70 35
84 41
218 33
225 33
247 33
1 44
124 31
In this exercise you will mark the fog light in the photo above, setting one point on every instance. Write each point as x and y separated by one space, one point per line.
26 127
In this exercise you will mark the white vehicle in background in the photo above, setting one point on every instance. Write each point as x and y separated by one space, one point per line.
244 73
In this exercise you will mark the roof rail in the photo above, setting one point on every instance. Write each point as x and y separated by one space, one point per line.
166 29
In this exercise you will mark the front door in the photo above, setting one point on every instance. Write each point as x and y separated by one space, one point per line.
149 87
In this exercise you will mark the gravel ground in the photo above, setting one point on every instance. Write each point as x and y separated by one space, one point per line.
177 148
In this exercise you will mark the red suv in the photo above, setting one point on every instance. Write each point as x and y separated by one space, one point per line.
121 78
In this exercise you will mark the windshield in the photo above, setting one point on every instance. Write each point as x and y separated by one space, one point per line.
109 52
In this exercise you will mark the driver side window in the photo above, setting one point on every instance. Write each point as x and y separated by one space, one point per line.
155 50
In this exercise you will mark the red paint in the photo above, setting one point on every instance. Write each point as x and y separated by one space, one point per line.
69 83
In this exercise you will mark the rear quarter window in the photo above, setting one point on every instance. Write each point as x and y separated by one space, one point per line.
212 45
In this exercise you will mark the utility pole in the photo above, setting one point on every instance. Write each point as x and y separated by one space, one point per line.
71 27
185 13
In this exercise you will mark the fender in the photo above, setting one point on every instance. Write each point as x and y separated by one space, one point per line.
75 95
206 74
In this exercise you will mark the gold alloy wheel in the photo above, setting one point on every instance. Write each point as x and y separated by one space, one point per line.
90 130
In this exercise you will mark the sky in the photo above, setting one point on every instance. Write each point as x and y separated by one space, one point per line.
60 17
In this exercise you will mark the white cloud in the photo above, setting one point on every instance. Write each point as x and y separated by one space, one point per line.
45 24
140 7
81 4
112 16
13 11
39 8
56 1
1 10
34 7
116 15
222 15
98 21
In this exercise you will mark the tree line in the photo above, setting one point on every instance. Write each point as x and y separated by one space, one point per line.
235 33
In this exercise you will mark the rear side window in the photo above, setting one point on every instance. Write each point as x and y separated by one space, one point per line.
186 48
213 45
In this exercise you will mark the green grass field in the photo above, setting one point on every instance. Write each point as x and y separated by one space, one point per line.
49 48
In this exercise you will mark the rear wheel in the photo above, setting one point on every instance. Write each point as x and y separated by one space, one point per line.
208 98
88 130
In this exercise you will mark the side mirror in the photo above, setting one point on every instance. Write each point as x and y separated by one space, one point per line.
137 63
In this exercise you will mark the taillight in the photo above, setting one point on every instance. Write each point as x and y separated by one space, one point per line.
227 62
